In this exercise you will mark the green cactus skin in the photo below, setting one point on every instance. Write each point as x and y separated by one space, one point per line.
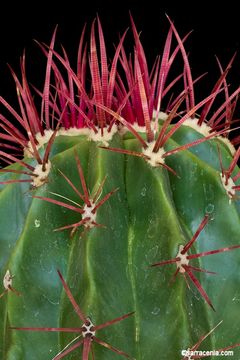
149 213
108 269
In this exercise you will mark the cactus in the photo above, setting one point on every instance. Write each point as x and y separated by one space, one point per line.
119 204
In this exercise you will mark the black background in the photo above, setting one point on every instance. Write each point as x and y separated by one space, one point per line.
216 31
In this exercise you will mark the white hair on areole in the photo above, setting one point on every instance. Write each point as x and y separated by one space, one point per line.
41 175
205 130
154 158
97 137
228 185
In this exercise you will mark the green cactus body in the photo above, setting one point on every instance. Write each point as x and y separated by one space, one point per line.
149 213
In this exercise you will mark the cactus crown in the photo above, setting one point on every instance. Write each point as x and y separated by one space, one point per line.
122 174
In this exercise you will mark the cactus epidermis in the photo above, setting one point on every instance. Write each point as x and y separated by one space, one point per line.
98 223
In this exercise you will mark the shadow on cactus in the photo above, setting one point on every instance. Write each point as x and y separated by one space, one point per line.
174 168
